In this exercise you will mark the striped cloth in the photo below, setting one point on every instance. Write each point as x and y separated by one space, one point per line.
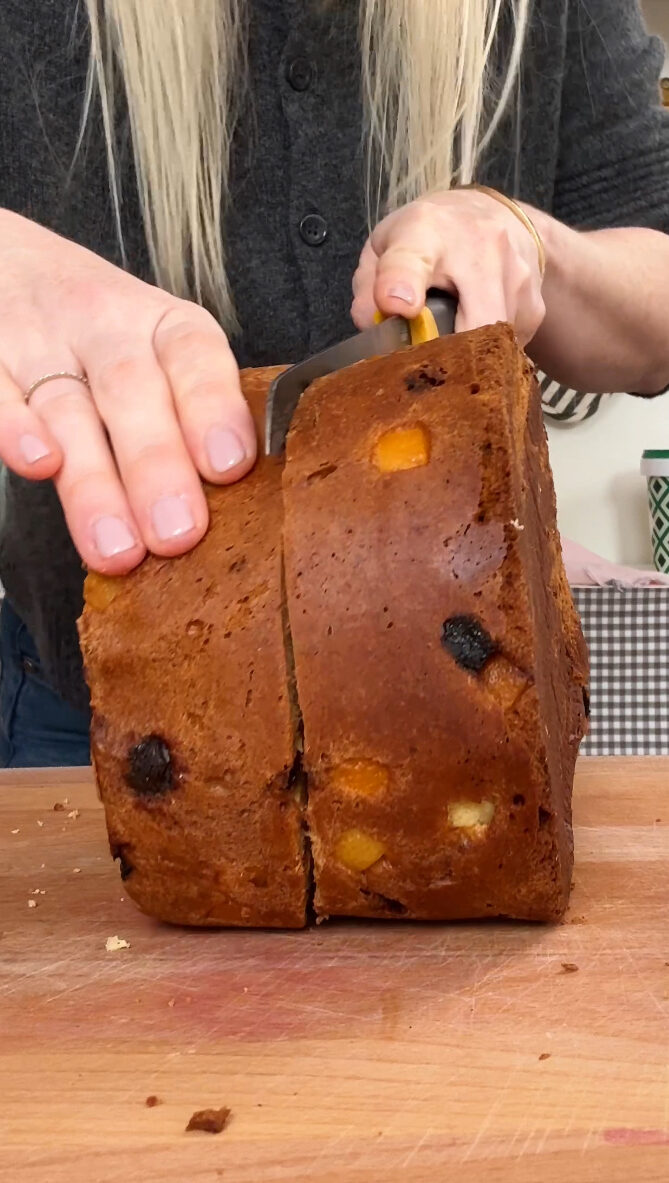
563 405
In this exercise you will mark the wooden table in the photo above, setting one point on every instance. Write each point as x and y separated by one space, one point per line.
350 1053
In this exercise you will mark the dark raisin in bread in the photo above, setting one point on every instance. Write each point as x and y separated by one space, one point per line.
439 664
194 731
439 659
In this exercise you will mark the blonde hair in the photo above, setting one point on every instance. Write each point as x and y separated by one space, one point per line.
431 99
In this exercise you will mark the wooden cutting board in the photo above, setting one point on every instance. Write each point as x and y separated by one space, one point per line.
348 1054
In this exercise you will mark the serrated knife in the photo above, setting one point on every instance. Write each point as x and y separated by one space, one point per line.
391 334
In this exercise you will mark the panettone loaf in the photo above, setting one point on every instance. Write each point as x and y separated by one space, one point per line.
422 630
194 730
438 657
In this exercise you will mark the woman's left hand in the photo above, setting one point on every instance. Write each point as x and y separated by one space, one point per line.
464 242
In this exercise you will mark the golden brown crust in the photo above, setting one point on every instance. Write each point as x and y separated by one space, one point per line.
189 652
439 664
399 738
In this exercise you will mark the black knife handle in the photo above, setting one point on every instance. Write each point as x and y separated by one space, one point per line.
444 309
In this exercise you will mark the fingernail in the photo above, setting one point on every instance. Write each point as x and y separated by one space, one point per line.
403 291
33 448
172 517
224 449
113 537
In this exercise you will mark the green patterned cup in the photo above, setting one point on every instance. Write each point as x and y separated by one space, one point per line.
655 467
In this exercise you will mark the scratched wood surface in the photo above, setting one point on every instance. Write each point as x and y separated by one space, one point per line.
348 1053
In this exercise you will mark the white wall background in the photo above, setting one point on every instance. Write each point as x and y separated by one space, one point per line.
601 494
657 15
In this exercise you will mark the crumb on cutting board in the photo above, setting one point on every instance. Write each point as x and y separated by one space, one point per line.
211 1121
152 1101
568 967
73 813
58 807
113 944
545 1056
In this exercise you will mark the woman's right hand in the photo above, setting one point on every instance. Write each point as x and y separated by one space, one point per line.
163 404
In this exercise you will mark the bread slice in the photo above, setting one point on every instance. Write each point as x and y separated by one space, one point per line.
439 661
194 733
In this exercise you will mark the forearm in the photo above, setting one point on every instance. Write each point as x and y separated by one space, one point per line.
607 308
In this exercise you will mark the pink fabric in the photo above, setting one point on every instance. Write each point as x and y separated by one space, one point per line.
585 568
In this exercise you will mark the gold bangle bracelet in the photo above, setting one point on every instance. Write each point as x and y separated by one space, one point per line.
520 214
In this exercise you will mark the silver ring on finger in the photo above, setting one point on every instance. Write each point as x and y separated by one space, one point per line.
52 377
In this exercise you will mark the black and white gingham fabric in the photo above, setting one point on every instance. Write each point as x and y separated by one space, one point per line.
627 630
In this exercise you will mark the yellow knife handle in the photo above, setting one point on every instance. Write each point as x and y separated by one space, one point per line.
421 328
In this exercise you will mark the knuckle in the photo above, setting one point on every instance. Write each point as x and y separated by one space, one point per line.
424 212
523 273
502 237
78 488
421 217
368 253
194 366
430 225
539 311
84 297
118 376
155 457
531 320
188 348
183 319
206 389
63 402
192 313
406 258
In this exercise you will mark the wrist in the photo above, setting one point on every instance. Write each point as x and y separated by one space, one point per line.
559 242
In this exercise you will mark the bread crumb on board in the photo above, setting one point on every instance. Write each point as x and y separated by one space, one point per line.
73 813
32 903
113 944
211 1121
152 1101
568 967
545 1056
58 807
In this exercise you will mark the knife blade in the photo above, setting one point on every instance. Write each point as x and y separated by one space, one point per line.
394 333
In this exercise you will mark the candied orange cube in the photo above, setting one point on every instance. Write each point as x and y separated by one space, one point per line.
358 851
401 449
365 778
100 590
